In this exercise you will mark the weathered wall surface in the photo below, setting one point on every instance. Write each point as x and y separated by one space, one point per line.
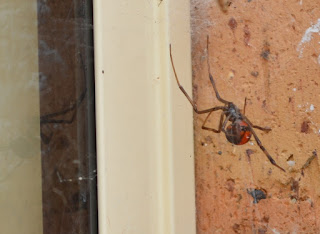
269 53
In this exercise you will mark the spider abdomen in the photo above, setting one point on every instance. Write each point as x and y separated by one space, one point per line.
238 132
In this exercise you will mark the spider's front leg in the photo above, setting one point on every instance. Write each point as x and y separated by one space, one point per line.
273 162
244 106
211 77
195 108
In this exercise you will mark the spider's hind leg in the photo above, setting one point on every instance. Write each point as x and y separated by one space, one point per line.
273 162
265 129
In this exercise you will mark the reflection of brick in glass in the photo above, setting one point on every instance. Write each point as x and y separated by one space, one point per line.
57 117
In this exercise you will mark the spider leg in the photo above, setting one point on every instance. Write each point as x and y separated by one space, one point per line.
225 123
195 108
212 129
265 129
211 78
273 162
244 107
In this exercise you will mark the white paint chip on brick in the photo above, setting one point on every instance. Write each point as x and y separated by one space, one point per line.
308 36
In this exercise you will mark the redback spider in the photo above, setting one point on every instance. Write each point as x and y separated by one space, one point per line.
240 130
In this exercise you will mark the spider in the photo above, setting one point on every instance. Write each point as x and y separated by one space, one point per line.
240 130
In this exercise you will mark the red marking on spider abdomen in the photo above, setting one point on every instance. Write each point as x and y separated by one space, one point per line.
238 132
245 137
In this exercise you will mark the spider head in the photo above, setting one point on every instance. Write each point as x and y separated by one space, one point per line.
233 111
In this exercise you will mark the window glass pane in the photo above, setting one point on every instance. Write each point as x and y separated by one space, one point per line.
20 156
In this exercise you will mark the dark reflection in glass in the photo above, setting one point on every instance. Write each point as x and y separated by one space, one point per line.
67 124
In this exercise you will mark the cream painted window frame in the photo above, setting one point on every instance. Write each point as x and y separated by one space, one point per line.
144 123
